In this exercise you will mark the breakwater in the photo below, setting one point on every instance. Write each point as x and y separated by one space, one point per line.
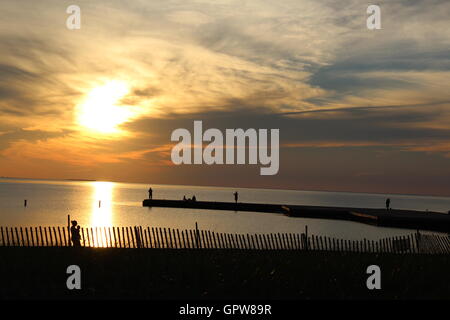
407 219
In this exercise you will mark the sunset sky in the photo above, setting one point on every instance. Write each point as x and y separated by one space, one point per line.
358 110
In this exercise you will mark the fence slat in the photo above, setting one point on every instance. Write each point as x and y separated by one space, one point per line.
119 239
21 237
193 239
221 240
3 237
145 238
88 238
115 237
92 239
174 239
150 244
184 239
155 237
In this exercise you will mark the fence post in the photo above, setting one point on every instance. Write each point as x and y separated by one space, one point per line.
64 235
68 229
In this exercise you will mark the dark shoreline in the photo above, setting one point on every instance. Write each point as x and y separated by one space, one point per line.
161 274
406 219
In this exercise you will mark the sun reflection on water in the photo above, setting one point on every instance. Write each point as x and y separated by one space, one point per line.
102 211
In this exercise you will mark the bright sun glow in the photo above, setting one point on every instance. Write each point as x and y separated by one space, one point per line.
99 112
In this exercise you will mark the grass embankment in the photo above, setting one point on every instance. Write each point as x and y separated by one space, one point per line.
219 274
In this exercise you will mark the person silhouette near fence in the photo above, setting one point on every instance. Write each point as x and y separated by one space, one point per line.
388 204
236 196
75 234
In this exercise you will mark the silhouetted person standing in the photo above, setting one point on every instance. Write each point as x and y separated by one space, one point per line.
75 234
150 193
236 195
388 204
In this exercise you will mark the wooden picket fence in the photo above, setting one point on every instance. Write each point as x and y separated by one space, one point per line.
156 237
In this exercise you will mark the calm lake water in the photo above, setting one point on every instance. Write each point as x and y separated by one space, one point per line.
49 203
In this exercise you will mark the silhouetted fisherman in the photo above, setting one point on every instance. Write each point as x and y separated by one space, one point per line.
236 195
75 234
388 204
194 198
150 193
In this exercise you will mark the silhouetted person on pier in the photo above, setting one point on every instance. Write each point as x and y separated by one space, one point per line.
184 198
194 198
75 234
150 193
388 204
236 195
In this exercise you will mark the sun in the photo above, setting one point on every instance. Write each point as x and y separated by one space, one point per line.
99 111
